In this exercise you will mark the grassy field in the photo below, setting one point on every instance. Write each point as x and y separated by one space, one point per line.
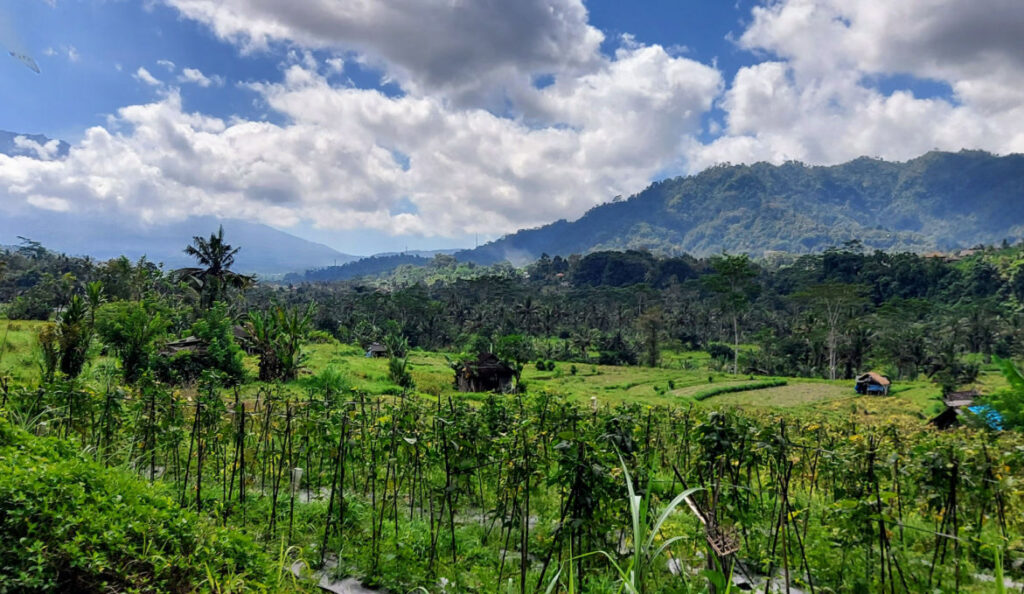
684 375
18 352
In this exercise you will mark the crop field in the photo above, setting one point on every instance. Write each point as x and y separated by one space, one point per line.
342 474
609 385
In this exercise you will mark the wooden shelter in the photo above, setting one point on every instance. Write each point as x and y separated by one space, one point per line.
487 373
873 384
244 339
190 344
956 404
376 350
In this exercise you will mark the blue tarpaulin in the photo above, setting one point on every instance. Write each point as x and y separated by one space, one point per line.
990 415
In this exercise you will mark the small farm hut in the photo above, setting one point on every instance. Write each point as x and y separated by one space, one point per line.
190 344
244 339
960 403
376 350
956 404
873 384
487 373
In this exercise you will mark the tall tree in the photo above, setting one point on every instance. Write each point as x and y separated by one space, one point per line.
651 326
833 303
214 274
733 280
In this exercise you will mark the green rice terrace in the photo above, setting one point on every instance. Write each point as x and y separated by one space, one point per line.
161 438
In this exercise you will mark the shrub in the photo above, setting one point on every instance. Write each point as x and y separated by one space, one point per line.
69 525
276 335
130 329
222 354
542 365
398 372
720 352
551 365
321 337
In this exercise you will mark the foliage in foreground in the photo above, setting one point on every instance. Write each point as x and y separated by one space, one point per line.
69 525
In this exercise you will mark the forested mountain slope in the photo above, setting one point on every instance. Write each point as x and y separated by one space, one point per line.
936 201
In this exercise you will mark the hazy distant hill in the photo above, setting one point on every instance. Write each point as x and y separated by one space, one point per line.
937 201
265 250
374 265
420 253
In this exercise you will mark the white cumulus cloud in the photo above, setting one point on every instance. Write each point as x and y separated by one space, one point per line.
195 76
470 144
465 49
145 76
816 96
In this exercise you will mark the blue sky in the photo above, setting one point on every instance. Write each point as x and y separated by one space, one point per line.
112 39
377 126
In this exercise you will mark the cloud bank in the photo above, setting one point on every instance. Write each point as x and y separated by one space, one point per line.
472 143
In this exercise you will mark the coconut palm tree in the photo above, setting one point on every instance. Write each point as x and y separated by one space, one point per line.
214 274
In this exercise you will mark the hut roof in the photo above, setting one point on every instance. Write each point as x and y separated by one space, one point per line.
490 362
486 364
960 399
871 376
189 343
376 348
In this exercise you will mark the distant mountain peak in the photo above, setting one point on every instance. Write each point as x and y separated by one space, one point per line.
264 250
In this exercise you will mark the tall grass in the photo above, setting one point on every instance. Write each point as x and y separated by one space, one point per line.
645 551
730 389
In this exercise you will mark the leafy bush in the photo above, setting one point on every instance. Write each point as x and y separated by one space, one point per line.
705 394
398 372
720 352
276 335
69 525
615 350
27 308
131 328
222 354
321 337
180 368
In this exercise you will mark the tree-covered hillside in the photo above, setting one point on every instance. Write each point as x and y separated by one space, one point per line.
937 201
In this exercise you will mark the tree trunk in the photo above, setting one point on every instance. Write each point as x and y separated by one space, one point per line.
735 344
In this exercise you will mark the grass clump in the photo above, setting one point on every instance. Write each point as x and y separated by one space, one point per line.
719 390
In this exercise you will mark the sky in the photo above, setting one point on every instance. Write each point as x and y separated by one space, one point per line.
380 125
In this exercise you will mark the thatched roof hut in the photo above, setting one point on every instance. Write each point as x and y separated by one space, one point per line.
872 383
487 373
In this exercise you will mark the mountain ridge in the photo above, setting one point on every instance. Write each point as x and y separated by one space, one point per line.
938 201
